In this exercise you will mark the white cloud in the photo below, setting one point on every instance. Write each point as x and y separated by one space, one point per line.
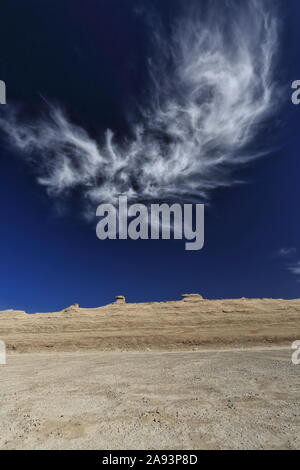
213 88
286 252
295 268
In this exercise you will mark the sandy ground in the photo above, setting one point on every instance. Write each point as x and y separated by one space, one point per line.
151 400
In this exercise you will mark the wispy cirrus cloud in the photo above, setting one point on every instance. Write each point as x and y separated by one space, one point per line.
288 255
213 88
294 268
286 252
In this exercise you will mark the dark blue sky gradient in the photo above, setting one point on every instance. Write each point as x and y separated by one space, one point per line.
91 58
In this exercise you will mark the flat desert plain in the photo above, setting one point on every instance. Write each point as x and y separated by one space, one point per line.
192 374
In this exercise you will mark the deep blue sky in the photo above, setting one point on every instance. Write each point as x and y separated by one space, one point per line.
91 57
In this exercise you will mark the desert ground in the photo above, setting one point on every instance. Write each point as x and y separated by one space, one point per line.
151 400
191 374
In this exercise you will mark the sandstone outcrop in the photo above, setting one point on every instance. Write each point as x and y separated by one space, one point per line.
187 324
191 297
